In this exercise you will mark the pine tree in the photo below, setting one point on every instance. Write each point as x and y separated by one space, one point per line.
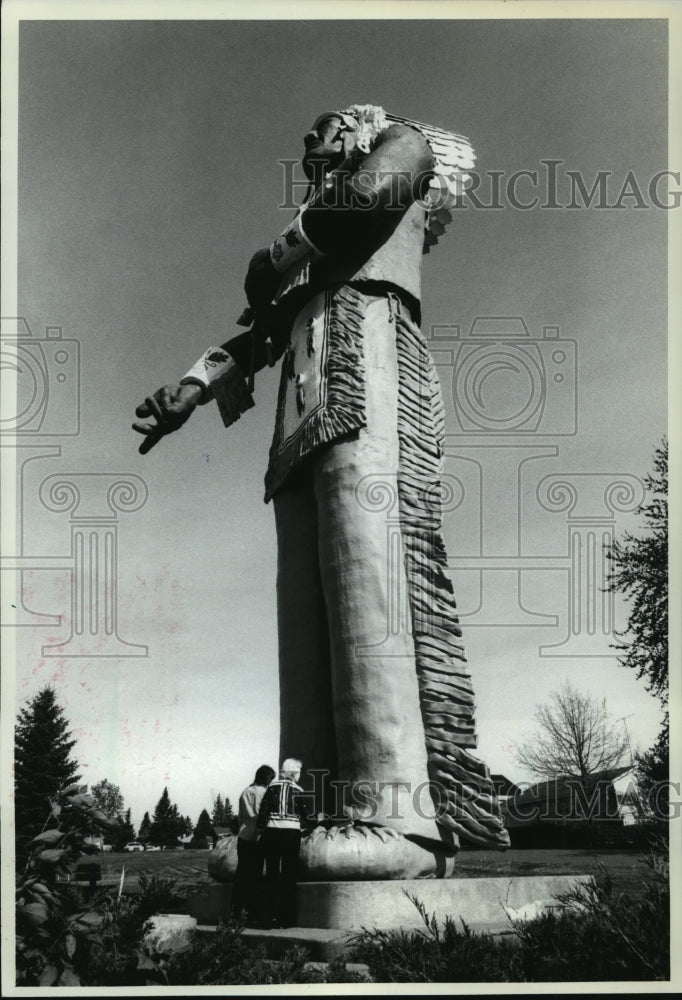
161 820
203 832
218 807
145 829
42 764
223 813
228 812
126 833
652 773
183 825
167 823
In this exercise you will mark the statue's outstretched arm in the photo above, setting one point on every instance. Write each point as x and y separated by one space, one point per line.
351 211
216 375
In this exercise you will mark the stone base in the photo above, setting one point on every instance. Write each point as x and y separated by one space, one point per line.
321 945
482 903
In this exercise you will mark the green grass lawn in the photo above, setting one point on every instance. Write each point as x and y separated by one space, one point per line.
190 868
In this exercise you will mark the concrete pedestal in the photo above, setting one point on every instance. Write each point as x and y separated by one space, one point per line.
331 910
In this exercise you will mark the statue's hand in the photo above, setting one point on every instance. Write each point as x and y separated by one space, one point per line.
170 407
262 280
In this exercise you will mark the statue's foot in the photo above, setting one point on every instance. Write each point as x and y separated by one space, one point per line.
349 853
355 852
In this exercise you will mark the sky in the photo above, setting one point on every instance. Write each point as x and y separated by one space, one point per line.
148 175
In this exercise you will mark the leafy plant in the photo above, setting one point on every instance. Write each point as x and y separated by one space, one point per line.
119 959
56 924
639 570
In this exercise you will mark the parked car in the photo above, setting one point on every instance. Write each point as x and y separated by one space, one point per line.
152 847
133 846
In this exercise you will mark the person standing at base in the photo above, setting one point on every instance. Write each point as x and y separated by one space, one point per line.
281 811
247 891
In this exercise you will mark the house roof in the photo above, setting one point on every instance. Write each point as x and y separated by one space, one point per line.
562 786
502 784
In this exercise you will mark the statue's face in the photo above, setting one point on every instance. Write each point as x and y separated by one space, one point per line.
327 144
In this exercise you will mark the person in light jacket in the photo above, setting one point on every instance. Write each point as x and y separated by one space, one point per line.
249 876
281 811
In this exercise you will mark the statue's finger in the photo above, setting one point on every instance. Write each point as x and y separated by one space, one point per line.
154 408
142 410
145 428
149 443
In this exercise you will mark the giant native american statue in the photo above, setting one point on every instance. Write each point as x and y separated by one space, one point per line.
337 297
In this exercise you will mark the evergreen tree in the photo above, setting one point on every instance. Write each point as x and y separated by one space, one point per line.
223 814
218 807
203 832
125 833
652 773
167 823
162 820
145 829
187 826
42 764
228 812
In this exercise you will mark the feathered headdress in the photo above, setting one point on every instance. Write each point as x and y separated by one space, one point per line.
452 154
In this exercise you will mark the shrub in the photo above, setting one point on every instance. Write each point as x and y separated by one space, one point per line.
224 958
601 934
117 957
438 954
595 934
583 835
56 921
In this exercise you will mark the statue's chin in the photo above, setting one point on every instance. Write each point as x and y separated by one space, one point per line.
351 853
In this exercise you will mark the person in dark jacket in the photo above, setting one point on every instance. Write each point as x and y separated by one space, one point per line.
281 811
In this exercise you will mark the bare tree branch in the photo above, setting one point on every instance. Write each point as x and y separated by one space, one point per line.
574 738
